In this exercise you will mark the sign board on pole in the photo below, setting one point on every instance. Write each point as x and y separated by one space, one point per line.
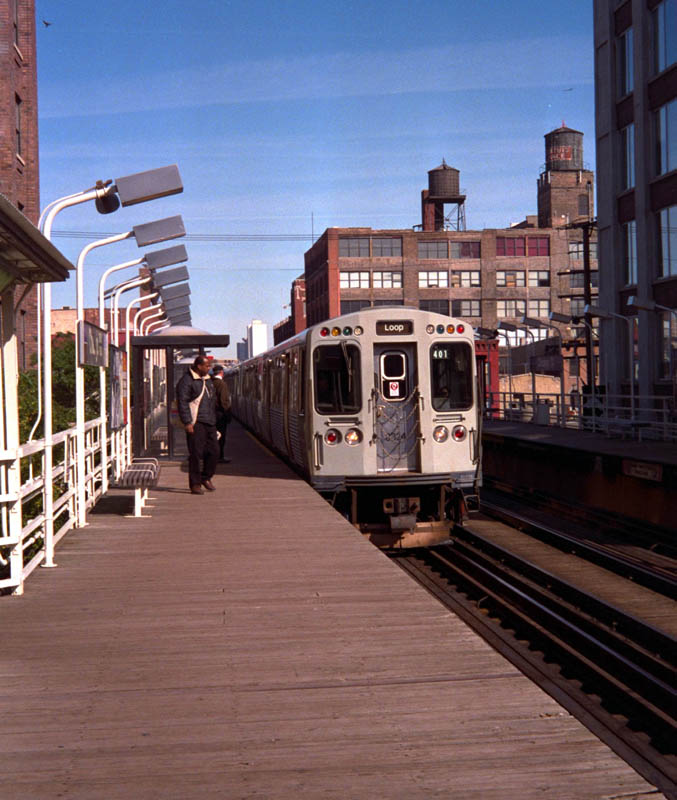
92 345
118 388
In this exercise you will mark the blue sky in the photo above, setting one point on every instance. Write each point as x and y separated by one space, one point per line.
286 118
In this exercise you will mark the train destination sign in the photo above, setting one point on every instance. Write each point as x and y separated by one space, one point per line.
395 328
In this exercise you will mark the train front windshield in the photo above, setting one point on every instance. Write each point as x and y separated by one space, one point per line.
451 376
336 373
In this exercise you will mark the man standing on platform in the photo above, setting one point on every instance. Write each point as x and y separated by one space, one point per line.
196 403
222 408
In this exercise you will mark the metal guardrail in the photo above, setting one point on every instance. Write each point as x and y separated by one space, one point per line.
654 417
22 486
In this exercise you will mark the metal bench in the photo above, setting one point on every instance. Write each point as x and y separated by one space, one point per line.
141 475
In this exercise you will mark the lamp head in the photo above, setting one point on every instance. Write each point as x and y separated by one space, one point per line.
107 203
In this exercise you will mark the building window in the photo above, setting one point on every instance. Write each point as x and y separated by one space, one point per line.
438 306
539 308
624 55
539 277
381 248
350 306
664 19
628 156
539 245
667 241
15 20
666 137
433 279
433 249
583 205
393 302
510 278
510 308
357 247
354 280
577 306
576 250
466 308
387 280
513 246
466 278
630 252
464 249
669 345
17 107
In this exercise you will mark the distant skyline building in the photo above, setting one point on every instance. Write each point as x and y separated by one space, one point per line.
636 130
257 338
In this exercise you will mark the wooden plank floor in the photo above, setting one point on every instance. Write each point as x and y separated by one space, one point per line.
249 643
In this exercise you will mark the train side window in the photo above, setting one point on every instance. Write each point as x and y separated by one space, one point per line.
302 381
336 374
451 376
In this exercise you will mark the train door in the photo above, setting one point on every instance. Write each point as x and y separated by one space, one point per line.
395 408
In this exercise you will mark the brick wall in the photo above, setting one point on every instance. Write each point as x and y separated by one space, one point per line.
19 169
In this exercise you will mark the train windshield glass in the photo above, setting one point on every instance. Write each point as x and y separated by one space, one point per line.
336 372
451 376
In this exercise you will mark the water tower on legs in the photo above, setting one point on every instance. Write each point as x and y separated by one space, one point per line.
443 190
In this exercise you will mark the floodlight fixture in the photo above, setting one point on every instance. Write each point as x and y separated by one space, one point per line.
161 230
508 326
166 257
178 302
168 276
172 292
565 319
149 185
533 322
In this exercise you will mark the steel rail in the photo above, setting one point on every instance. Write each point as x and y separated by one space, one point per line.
598 676
652 576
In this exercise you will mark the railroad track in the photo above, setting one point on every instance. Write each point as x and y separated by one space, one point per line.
643 556
611 671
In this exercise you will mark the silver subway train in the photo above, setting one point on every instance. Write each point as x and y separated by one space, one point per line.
379 410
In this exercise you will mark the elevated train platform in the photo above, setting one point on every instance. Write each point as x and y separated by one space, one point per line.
250 643
635 479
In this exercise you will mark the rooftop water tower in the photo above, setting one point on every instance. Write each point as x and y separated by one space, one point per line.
443 189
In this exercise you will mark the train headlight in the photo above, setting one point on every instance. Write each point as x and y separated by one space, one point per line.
353 436
430 329
332 436
324 332
335 331
459 433
358 331
441 433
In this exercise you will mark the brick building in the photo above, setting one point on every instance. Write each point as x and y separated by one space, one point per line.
484 276
19 174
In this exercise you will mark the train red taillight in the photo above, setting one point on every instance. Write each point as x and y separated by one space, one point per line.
460 328
332 436
459 433
324 331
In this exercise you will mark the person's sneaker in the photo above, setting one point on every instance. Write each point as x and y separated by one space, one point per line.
196 490
209 486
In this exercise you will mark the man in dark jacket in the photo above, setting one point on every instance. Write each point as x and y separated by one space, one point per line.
196 403
222 408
